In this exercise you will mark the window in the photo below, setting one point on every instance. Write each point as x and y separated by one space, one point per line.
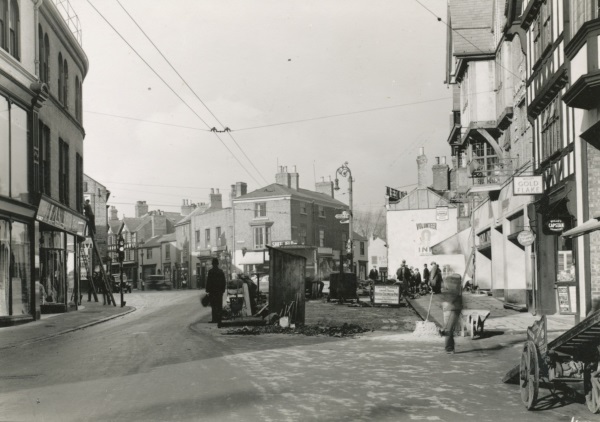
362 248
10 27
551 137
207 236
149 253
79 182
63 172
262 237
321 237
303 208
66 84
218 236
321 211
14 139
302 234
198 236
260 209
167 252
60 78
581 12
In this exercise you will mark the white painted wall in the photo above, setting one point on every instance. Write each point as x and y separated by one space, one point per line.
412 233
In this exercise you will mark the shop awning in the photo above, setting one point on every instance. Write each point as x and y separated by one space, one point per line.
589 226
254 258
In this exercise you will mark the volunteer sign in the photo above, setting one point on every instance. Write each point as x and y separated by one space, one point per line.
386 295
528 185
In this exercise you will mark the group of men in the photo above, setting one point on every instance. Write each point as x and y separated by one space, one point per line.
415 282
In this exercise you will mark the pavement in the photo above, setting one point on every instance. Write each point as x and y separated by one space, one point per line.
52 325
500 319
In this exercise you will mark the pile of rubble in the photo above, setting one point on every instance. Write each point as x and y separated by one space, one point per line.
346 330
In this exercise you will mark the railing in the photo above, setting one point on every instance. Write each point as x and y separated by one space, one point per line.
496 172
71 19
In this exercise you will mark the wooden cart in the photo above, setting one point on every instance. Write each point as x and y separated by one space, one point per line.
572 357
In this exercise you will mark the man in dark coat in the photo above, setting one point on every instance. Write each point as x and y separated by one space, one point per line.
215 287
87 210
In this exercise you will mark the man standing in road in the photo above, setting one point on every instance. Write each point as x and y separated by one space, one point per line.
215 287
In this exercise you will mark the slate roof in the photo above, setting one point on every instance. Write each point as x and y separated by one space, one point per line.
471 23
275 190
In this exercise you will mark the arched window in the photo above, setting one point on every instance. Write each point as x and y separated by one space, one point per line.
14 29
77 99
46 59
60 78
66 84
41 53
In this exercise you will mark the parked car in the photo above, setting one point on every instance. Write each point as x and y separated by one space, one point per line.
158 282
116 278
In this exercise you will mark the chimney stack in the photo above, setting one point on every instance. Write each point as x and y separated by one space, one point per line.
294 180
141 208
113 213
216 199
421 169
325 187
441 175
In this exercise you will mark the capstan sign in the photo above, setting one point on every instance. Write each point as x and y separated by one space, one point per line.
528 185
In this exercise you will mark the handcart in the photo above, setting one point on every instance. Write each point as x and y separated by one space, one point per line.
574 357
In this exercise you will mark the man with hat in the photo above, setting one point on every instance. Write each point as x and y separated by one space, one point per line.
215 287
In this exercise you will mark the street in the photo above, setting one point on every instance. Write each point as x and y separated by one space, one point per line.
163 362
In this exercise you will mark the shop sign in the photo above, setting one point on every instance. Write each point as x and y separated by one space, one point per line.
526 237
528 185
59 217
441 213
556 225
386 295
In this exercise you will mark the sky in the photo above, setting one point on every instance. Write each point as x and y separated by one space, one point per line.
305 84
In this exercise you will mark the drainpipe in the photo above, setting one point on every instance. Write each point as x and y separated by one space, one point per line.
36 6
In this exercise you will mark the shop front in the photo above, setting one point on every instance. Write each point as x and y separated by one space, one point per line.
556 288
17 285
59 233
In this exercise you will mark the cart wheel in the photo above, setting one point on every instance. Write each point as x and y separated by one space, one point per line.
529 375
591 385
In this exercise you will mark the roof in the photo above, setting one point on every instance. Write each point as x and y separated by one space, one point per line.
419 199
200 209
471 22
275 190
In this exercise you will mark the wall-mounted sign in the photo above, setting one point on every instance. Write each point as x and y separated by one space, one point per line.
528 185
441 213
526 237
556 225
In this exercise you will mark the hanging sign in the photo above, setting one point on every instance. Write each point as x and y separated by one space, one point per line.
556 225
526 238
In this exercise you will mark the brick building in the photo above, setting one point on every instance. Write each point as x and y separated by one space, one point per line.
42 67
284 215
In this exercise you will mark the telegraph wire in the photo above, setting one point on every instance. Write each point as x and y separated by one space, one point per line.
193 91
169 86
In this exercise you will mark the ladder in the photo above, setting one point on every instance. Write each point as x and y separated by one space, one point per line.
105 278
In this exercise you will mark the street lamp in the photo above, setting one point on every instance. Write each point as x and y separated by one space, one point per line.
344 171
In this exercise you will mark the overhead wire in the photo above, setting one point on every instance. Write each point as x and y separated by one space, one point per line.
191 89
169 86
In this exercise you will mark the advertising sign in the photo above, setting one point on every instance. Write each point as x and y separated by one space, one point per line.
528 185
386 295
526 237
